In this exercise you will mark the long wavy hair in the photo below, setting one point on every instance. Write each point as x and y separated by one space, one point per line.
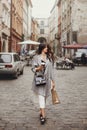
50 54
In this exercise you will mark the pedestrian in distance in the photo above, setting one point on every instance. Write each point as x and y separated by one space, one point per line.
83 59
43 61
69 63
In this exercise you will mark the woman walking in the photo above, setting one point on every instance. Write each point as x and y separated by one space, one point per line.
43 62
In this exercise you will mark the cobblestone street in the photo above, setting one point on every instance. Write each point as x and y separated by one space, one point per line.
19 109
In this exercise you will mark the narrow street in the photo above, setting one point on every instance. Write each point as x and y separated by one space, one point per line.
19 109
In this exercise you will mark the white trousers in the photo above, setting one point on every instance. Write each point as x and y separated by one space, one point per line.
42 101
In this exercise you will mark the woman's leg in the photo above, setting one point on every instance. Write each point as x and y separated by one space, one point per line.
42 102
43 112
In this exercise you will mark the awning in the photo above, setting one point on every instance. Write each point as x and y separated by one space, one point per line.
29 42
73 46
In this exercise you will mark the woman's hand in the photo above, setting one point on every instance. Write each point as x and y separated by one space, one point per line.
39 68
53 84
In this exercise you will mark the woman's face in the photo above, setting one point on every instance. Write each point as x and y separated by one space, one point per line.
45 50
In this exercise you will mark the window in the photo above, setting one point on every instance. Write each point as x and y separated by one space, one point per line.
42 22
16 58
5 58
75 36
41 31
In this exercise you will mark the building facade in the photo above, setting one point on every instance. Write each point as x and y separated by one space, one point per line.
43 30
27 22
25 19
16 25
34 30
34 33
27 16
59 4
4 25
53 27
80 21
74 23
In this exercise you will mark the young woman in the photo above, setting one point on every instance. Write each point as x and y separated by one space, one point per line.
45 56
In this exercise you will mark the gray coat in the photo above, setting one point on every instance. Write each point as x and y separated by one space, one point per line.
43 90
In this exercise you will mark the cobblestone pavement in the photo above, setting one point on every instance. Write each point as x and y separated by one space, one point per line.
19 108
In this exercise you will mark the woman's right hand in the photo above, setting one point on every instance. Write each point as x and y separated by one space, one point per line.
39 68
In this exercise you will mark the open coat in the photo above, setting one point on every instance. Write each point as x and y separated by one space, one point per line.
49 73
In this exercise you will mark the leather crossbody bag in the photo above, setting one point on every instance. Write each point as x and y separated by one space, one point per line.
40 78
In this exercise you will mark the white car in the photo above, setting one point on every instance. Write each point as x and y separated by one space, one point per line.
11 64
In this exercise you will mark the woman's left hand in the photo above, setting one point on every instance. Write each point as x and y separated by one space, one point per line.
53 84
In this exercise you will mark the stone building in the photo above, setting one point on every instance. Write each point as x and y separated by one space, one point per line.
34 30
27 22
27 18
74 22
34 33
66 25
4 25
59 4
53 27
16 26
82 20
43 30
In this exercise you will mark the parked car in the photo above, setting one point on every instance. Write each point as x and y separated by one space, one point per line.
11 64
77 59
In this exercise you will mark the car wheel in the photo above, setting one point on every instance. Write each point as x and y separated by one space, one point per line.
15 76
21 72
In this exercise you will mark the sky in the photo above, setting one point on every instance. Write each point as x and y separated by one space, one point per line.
42 8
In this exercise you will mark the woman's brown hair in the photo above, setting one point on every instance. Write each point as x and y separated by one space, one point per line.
50 53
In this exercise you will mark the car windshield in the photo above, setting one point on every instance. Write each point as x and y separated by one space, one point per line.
5 58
